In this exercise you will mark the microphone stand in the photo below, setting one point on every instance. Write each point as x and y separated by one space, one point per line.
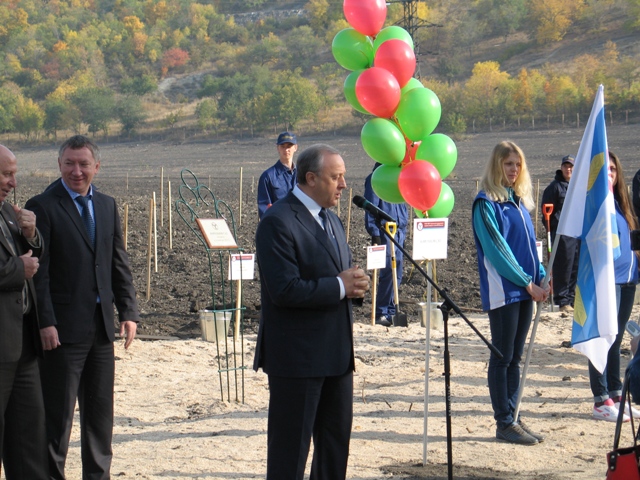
447 305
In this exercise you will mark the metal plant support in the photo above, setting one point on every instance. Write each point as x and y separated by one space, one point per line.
196 200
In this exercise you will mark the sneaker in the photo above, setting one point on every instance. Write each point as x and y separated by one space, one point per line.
566 309
608 412
515 434
383 320
628 411
535 435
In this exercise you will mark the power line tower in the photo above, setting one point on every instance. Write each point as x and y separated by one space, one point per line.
411 22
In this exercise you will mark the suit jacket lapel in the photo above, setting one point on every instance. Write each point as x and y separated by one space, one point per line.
9 221
306 219
69 206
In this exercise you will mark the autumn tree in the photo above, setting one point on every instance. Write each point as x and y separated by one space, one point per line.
551 19
130 113
485 90
28 117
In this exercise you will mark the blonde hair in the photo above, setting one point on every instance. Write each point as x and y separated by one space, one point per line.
494 181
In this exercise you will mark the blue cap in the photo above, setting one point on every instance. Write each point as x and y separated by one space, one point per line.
287 137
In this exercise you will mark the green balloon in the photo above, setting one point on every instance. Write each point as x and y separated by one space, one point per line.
440 151
392 32
352 50
350 91
418 113
444 206
419 213
383 141
384 182
411 84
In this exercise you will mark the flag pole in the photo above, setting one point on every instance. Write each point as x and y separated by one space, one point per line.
525 368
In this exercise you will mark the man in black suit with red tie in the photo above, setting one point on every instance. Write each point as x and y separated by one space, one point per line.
305 338
85 273
23 447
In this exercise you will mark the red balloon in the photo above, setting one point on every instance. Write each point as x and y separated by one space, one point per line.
397 57
365 16
420 184
412 149
378 92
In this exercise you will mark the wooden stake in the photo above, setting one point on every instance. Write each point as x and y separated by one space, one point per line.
155 234
374 294
125 229
537 209
240 201
161 196
349 214
149 248
170 226
236 330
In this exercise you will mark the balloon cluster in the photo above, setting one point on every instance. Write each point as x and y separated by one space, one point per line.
382 63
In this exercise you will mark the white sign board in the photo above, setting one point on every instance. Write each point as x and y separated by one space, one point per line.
376 257
539 249
241 266
430 238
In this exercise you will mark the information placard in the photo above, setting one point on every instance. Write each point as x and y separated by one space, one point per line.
241 266
430 237
216 233
376 257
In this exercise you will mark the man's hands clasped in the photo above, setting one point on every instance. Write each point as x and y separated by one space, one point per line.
356 282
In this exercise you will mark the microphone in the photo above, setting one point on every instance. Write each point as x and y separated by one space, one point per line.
360 201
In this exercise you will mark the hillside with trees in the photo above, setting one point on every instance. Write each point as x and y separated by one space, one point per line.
252 67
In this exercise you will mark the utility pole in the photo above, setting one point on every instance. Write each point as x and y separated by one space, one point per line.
411 22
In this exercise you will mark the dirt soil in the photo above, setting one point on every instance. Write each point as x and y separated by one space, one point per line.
177 418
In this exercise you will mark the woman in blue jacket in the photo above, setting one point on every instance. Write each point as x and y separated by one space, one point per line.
607 387
510 275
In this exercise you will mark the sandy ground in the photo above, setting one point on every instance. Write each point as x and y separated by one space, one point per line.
172 423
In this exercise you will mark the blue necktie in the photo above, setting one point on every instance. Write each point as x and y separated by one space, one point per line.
87 219
329 229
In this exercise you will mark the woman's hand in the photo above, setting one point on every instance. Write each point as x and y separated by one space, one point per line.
538 294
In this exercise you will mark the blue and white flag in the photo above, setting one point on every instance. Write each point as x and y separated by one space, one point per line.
589 214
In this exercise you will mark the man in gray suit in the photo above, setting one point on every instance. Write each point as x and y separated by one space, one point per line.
84 275
23 448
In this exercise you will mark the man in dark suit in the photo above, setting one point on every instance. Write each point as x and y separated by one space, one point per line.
85 273
305 339
23 447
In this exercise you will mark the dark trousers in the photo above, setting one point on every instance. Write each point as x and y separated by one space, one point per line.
85 371
509 327
385 301
608 384
302 408
23 446
565 270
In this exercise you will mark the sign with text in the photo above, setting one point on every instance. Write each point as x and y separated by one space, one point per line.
241 266
430 238
376 257
539 249
216 233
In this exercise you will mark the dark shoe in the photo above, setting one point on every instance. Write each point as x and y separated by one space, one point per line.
383 320
515 434
535 435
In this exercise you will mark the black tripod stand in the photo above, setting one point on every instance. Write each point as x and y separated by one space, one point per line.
446 307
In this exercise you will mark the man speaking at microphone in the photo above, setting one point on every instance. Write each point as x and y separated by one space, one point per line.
395 212
305 339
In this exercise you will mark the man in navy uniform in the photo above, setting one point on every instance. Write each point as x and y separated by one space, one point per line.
277 181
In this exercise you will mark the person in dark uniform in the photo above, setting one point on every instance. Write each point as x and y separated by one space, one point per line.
278 180
565 265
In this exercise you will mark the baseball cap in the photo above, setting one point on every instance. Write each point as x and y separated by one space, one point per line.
287 137
568 159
